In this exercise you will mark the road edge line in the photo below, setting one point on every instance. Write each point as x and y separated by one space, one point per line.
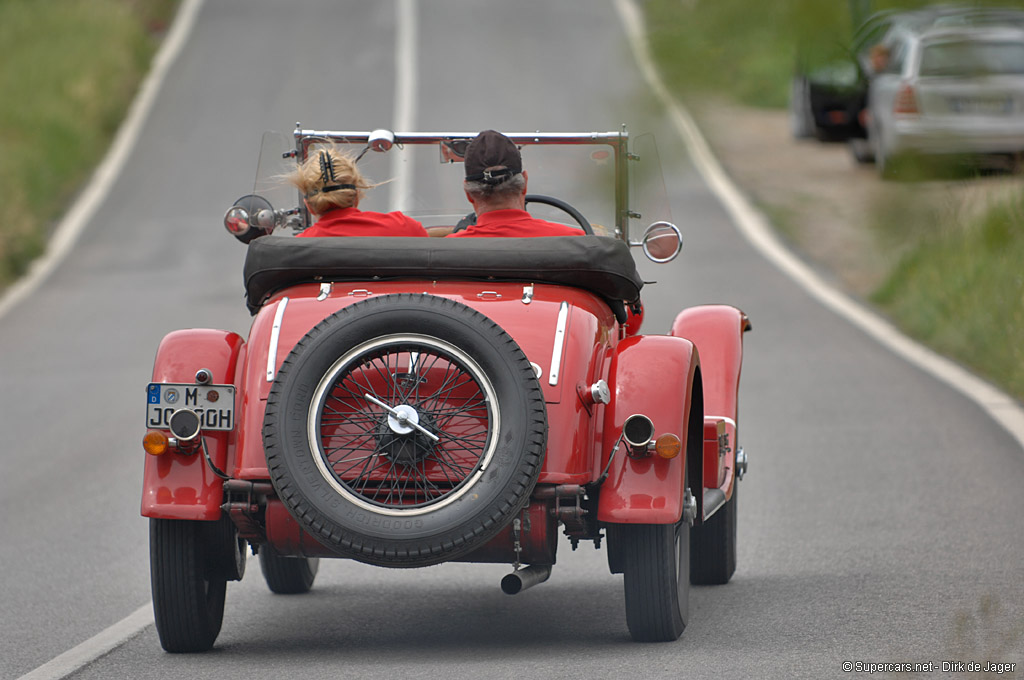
88 202
102 643
755 227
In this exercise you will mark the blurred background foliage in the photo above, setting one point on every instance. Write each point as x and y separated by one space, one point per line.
747 49
958 284
68 71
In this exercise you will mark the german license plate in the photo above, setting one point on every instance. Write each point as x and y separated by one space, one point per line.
214 404
984 106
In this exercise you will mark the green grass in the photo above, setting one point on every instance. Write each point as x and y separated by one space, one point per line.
68 71
960 289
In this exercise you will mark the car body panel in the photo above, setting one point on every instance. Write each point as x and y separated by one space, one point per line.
589 336
180 485
717 331
649 490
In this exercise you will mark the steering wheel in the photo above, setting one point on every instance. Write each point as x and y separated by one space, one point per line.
582 221
564 207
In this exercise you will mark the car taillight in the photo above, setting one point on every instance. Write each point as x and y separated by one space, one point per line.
155 443
905 103
668 446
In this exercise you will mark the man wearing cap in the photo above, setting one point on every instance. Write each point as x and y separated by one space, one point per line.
496 186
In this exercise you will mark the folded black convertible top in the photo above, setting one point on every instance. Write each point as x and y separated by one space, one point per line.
599 264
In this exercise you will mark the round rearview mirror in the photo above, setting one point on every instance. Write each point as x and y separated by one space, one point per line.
236 221
662 242
251 216
381 140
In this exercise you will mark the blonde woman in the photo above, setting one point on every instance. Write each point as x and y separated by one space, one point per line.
333 186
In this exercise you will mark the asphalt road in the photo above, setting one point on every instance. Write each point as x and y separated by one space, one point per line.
880 522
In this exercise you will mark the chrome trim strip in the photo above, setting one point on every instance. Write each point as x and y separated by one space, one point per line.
556 353
275 334
727 419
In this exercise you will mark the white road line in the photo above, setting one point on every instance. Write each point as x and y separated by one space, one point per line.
95 647
71 226
405 97
60 245
755 227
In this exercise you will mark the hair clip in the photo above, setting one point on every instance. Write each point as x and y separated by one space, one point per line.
326 169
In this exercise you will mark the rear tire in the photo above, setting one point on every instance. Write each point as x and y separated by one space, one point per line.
801 118
656 578
355 473
860 149
713 545
287 575
188 588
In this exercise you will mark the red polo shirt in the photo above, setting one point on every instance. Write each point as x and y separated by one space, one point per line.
356 222
515 223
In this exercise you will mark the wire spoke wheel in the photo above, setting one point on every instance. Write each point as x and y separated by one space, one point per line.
404 422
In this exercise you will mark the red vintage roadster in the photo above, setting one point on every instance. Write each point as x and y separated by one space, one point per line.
409 401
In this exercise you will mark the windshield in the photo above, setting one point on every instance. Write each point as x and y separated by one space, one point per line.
421 175
972 58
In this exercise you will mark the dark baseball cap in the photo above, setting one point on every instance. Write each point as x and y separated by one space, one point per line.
492 158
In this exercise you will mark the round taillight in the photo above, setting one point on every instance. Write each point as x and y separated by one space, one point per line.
638 430
155 443
185 425
668 446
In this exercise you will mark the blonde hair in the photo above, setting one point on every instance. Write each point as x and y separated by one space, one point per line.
328 179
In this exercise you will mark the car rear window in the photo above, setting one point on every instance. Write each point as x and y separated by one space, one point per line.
972 58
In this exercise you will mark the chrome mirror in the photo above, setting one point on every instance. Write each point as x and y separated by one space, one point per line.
662 242
251 216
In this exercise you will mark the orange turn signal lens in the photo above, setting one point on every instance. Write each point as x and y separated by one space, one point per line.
668 446
155 443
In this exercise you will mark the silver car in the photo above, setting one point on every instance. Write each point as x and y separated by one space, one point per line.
949 91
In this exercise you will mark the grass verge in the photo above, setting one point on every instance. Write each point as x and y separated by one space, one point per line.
68 72
960 289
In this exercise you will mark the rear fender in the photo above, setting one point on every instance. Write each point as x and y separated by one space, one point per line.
657 376
182 486
717 331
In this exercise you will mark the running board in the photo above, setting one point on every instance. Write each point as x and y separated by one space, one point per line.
714 499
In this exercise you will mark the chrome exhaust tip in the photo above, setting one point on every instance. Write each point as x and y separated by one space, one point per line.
527 577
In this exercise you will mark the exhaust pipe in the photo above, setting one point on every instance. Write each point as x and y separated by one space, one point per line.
527 577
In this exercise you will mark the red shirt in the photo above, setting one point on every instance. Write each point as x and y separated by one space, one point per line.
515 223
356 222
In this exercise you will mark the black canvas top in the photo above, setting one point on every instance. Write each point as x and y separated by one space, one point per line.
599 264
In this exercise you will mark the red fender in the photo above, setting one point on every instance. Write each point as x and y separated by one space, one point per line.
717 331
176 485
658 376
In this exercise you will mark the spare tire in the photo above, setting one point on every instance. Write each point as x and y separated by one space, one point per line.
405 430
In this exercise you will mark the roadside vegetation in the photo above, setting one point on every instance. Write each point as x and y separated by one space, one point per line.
68 71
958 284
